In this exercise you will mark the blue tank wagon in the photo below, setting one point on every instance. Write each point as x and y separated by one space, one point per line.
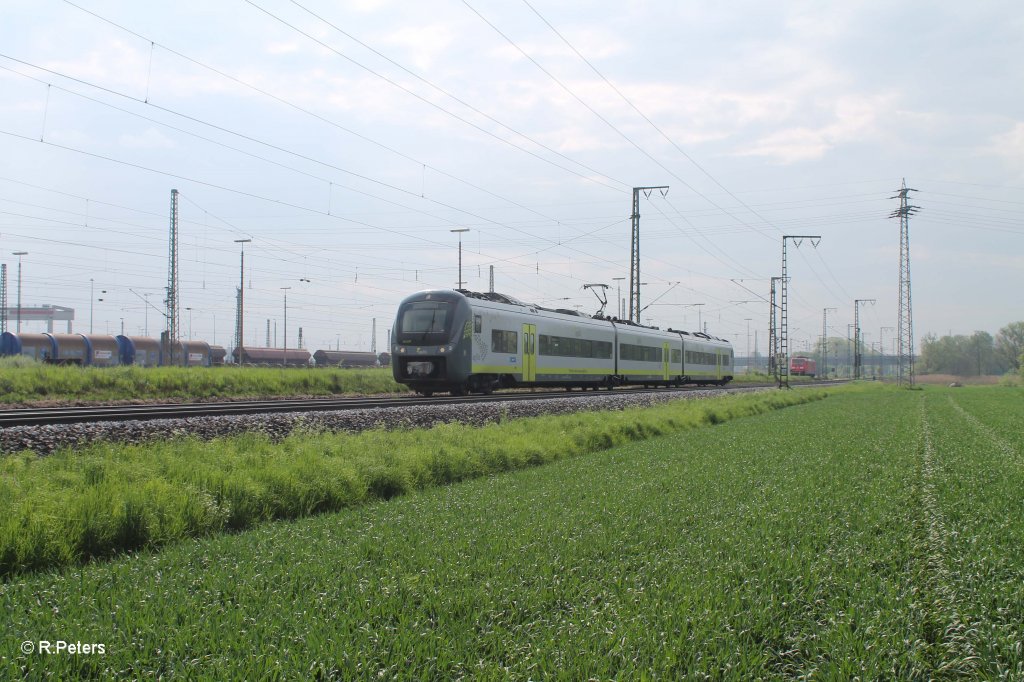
140 351
40 347
101 350
188 354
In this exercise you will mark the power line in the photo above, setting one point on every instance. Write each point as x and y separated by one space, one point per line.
303 110
249 138
655 126
429 83
427 101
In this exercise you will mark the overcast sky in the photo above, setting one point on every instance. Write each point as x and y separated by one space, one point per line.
347 140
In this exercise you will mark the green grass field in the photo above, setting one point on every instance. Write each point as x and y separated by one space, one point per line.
24 381
84 503
876 534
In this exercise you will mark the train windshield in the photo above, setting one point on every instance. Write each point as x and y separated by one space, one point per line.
424 318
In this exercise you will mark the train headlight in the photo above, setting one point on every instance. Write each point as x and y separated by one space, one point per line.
401 349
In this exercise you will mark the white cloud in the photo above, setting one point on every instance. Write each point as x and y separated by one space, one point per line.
1010 144
150 138
281 48
366 6
423 44
852 119
115 64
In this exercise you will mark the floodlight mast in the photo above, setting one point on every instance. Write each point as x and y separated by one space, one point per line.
240 316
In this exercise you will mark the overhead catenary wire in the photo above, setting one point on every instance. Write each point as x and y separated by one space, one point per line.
532 236
433 85
603 119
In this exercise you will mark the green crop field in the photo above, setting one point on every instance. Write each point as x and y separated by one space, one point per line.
875 534
84 503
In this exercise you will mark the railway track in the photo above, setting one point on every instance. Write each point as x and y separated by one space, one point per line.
101 413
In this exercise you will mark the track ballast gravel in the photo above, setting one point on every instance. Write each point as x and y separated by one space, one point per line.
47 439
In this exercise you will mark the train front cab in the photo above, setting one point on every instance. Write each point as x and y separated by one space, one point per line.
432 342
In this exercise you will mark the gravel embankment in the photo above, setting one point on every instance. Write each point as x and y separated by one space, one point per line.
47 439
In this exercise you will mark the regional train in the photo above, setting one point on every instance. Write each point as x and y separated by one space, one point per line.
459 341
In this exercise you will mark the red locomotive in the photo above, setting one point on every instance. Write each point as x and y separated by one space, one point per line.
802 366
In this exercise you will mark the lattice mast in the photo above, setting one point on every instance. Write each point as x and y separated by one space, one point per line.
784 306
240 311
905 324
238 325
858 342
3 297
783 330
824 340
634 251
173 320
773 332
373 337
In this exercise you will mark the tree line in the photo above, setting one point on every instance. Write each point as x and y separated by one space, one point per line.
974 355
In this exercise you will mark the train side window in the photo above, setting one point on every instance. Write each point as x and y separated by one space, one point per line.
566 347
628 351
504 341
478 324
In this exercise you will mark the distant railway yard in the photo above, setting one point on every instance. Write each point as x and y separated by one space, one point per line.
742 532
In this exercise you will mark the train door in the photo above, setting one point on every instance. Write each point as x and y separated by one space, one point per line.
664 361
718 364
529 352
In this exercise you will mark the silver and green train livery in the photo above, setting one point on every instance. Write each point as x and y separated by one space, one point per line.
463 341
